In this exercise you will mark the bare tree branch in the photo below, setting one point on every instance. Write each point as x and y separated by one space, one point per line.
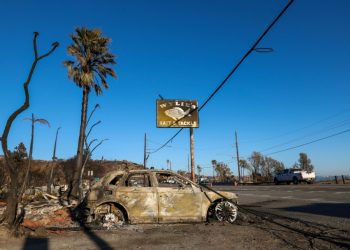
97 105
91 128
91 143
82 170
34 43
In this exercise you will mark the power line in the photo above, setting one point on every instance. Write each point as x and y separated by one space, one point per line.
230 145
311 134
229 75
298 129
309 142
167 142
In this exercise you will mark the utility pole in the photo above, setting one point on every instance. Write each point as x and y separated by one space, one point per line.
192 155
239 172
144 155
170 165
188 163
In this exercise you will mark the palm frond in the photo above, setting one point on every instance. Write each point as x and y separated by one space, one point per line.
42 121
91 52
26 119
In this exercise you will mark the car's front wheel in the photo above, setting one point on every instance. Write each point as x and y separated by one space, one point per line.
276 181
226 211
110 215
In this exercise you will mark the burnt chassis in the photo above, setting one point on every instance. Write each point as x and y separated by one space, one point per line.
187 203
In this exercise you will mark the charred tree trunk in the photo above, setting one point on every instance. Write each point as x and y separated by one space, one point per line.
80 152
12 201
29 162
81 195
53 162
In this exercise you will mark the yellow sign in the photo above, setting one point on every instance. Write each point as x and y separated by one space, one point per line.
177 114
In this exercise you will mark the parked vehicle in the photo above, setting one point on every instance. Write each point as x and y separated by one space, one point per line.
204 181
294 175
117 197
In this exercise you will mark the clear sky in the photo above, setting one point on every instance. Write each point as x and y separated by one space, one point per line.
184 50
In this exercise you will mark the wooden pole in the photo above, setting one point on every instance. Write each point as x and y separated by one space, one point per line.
192 155
239 172
144 154
188 163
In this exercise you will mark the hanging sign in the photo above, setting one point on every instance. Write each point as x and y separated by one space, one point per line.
177 114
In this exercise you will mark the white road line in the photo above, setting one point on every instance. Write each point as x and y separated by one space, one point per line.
315 191
341 193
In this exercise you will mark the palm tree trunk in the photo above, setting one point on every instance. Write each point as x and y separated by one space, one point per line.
53 162
29 162
80 151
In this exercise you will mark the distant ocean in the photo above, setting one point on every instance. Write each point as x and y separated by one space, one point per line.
326 178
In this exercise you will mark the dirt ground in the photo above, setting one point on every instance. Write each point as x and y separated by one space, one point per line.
248 232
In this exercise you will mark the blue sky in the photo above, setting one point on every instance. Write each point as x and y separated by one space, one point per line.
184 50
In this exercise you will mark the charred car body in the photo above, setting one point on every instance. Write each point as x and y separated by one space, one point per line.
147 196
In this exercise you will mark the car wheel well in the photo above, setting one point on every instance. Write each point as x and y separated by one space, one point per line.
120 207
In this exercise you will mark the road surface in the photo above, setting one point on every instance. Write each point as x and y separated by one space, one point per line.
322 203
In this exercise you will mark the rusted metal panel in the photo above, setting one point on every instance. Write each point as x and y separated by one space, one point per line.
177 114
179 205
141 203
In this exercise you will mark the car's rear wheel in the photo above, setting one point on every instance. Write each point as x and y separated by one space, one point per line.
226 211
295 181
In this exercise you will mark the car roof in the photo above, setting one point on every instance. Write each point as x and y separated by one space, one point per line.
125 171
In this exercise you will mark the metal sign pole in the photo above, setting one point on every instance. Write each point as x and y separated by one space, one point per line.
192 155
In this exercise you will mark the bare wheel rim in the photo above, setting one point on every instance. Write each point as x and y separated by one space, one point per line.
226 211
110 218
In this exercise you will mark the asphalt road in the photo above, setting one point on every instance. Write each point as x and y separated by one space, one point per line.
322 203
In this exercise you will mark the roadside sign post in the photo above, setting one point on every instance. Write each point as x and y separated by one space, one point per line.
192 155
179 114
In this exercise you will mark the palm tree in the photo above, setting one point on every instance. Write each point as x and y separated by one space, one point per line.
199 168
33 120
214 163
91 53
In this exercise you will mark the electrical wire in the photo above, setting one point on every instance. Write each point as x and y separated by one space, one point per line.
308 135
229 75
309 142
298 129
195 149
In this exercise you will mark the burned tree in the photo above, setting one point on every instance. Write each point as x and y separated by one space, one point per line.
33 120
9 216
53 163
88 153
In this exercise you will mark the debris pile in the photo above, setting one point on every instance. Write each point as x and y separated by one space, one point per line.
47 213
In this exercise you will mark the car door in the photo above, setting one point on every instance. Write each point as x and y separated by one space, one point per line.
140 198
283 175
179 201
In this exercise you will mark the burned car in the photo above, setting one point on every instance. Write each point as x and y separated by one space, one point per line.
148 196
